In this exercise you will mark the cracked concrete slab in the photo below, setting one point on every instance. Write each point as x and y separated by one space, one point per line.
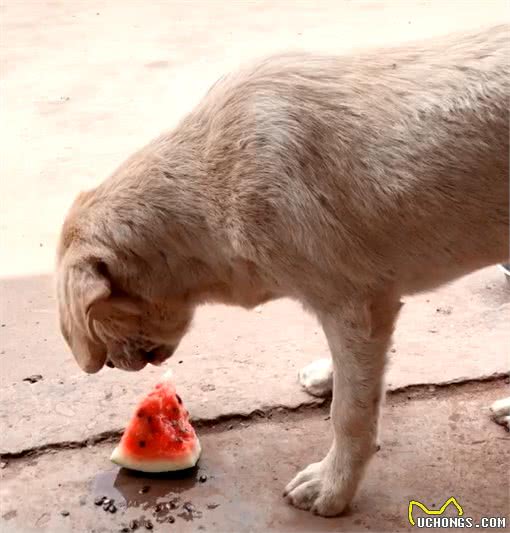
233 361
462 454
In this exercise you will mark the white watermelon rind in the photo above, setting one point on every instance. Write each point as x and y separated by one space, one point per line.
156 466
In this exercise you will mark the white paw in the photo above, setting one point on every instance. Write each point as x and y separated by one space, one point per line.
500 411
317 377
319 489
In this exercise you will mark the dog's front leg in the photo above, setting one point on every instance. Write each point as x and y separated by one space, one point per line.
358 338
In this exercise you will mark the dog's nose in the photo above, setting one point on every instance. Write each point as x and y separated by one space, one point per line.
150 357
157 355
109 364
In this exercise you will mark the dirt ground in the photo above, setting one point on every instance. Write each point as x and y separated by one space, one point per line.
83 84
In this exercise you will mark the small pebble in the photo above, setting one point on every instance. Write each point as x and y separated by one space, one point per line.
144 489
148 524
64 513
202 478
113 508
134 524
99 500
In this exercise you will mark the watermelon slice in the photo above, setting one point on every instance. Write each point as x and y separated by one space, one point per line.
159 437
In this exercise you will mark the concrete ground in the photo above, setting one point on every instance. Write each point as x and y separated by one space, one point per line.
433 446
82 84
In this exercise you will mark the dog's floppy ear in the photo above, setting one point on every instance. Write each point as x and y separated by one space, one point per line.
82 286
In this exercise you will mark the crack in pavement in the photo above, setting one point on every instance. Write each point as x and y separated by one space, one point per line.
274 413
419 387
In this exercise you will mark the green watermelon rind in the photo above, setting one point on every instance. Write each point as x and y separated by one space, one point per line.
156 466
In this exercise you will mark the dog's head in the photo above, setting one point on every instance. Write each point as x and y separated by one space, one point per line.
105 314
102 324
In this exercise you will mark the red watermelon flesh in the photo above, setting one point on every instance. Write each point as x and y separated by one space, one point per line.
159 437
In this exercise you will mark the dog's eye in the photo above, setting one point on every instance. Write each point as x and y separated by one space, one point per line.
102 268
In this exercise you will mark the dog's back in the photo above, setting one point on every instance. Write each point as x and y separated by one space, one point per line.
390 161
379 167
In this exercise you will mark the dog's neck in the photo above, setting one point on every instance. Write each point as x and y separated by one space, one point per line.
158 249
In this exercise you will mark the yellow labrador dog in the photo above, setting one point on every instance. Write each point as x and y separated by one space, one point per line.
341 182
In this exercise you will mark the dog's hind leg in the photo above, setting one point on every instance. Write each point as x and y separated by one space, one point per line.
500 411
358 335
317 377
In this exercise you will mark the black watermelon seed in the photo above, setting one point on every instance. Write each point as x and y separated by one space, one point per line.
99 500
141 444
124 530
33 379
173 504
202 478
148 524
159 507
134 524
178 399
212 505
171 519
64 513
113 508
106 505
